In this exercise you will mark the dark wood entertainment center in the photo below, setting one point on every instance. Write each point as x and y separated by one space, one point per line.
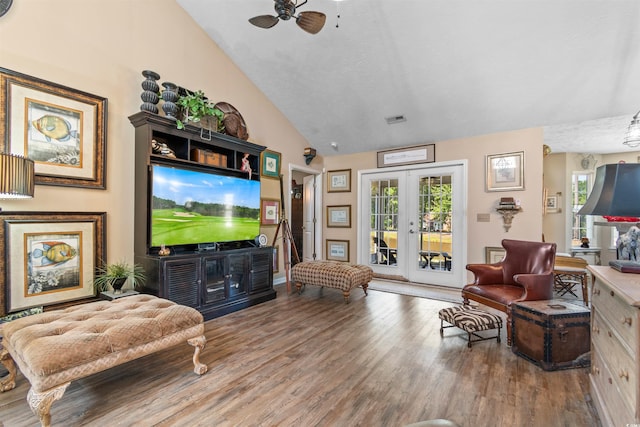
218 279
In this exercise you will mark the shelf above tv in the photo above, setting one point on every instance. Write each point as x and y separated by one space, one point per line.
186 143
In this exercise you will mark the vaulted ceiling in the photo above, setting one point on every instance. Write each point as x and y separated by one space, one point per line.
451 68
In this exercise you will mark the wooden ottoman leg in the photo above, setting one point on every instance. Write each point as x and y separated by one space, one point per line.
40 403
365 287
198 343
346 295
7 361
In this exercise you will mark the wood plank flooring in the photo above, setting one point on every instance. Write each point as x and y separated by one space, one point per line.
311 360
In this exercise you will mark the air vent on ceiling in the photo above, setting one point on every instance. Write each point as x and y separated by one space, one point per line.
395 119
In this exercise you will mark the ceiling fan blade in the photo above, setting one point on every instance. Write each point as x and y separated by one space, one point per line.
264 21
311 22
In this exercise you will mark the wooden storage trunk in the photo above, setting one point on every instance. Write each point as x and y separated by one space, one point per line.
208 157
553 334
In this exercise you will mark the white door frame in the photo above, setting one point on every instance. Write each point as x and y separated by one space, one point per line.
318 203
462 190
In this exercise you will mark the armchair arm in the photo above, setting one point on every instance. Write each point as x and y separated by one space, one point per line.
536 286
486 274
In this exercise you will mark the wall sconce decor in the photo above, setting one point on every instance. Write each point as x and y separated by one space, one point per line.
309 154
16 177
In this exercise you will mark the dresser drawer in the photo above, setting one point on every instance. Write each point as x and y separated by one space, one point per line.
616 407
614 355
620 315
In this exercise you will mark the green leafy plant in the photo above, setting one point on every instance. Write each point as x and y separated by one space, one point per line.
108 273
195 107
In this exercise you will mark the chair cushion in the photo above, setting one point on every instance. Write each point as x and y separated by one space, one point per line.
504 294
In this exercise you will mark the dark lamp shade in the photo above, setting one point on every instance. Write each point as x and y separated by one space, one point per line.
16 177
616 191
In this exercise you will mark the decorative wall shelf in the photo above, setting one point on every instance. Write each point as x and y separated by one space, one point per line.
507 216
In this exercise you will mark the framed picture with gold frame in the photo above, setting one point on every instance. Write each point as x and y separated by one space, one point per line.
339 216
337 250
339 181
505 172
63 130
49 257
493 254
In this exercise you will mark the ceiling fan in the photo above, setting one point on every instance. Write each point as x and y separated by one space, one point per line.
311 22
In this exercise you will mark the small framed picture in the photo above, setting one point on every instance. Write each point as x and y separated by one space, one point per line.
339 216
339 181
505 172
493 254
269 211
551 204
337 250
270 164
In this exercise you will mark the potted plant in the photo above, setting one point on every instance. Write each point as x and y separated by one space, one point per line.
196 108
115 275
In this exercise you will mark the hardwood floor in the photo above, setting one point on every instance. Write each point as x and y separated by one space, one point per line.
311 360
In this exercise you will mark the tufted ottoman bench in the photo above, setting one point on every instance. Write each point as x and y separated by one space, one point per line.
54 348
332 274
471 320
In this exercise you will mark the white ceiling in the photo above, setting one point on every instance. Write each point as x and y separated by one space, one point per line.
453 68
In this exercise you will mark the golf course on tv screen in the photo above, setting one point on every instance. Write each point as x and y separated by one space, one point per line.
190 207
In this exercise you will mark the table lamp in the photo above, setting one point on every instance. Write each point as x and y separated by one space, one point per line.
616 192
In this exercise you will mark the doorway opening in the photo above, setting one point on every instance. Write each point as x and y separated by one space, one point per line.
305 211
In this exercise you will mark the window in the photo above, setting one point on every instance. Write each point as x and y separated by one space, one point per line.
582 225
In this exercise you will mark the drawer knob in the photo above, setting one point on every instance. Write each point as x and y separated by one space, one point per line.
626 321
612 294
624 374
596 292
596 329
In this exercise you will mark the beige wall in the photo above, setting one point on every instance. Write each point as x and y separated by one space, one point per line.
101 48
527 225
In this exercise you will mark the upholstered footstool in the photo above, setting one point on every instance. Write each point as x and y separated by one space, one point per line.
332 274
471 320
54 348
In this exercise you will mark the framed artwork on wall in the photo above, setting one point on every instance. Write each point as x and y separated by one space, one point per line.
339 181
270 164
269 211
337 250
407 156
493 254
505 172
49 257
339 216
63 130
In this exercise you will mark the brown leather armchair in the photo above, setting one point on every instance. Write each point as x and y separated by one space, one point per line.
525 274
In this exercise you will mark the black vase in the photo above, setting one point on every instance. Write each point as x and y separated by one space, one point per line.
170 96
117 284
150 91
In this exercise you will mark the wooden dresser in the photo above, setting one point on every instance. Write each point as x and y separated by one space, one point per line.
615 345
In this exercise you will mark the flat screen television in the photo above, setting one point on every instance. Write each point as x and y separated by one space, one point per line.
190 207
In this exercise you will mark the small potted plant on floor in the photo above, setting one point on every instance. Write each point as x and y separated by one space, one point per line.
116 275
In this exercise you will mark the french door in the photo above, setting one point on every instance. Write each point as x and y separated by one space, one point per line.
414 223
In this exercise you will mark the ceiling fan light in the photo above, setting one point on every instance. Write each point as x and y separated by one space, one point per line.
311 22
632 137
